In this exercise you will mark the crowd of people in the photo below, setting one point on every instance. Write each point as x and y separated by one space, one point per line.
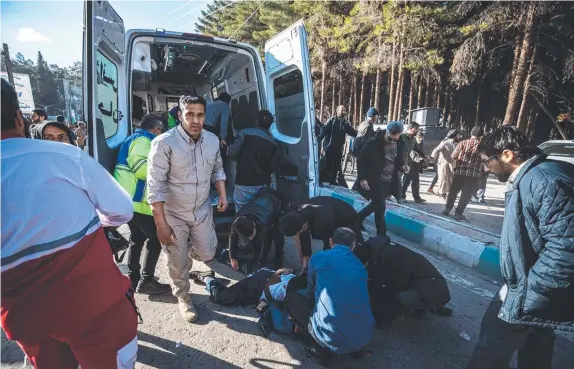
54 248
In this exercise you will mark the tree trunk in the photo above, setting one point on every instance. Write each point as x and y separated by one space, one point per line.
341 92
392 84
428 93
323 72
362 103
477 112
530 124
445 108
439 94
551 117
514 93
333 97
355 100
521 122
420 91
400 83
411 95
351 105
377 102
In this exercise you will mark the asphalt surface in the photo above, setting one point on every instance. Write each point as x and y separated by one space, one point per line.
228 337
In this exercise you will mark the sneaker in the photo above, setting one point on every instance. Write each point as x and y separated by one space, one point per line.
475 199
460 217
446 212
420 201
187 310
152 287
431 191
482 201
401 201
199 276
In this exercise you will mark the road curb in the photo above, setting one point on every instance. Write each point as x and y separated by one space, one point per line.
462 249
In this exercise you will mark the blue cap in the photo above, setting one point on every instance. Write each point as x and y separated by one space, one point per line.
395 127
372 112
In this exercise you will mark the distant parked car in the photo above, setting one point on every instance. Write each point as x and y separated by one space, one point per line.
559 150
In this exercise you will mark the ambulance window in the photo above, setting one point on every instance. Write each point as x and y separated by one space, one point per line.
107 94
289 103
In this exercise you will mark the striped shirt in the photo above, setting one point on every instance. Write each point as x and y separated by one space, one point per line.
468 161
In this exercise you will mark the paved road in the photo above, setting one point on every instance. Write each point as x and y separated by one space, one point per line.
228 337
487 217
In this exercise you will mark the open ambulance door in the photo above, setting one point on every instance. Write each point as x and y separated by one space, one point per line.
105 84
290 100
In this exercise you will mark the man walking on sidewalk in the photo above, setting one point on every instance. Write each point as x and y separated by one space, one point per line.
365 131
415 161
182 163
536 248
467 171
131 174
410 153
333 135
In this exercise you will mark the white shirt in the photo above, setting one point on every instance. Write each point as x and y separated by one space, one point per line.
53 194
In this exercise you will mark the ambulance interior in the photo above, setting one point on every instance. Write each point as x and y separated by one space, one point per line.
163 70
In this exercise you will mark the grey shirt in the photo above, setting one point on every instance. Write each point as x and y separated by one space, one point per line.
390 155
180 172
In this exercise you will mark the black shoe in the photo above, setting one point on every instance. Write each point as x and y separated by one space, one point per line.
199 276
152 287
134 282
420 201
442 311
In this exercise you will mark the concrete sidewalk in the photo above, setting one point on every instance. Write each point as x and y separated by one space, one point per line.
468 243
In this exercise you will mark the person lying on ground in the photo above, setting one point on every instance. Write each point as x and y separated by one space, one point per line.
334 311
255 228
318 218
401 281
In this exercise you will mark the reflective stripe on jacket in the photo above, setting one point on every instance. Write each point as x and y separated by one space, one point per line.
131 168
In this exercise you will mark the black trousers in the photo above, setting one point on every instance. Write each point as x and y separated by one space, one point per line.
498 340
379 190
142 229
333 165
272 235
412 177
460 183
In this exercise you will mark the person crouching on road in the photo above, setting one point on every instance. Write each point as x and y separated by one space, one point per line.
255 152
254 229
376 164
318 218
536 249
334 310
64 300
182 163
401 281
131 174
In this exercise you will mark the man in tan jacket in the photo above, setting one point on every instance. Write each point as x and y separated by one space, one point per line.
182 164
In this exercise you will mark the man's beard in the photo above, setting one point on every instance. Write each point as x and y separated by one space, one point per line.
503 177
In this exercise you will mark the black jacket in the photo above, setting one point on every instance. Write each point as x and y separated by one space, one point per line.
372 158
334 134
265 209
325 214
255 152
537 246
394 268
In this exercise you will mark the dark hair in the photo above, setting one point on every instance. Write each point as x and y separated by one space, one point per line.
344 236
508 138
244 226
10 106
292 223
150 121
190 99
477 131
413 125
60 119
264 119
52 123
41 112
452 133
225 97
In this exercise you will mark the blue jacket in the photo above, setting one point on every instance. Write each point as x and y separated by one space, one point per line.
537 246
342 320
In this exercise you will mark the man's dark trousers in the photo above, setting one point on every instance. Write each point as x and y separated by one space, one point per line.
142 228
412 177
498 340
379 190
333 165
467 185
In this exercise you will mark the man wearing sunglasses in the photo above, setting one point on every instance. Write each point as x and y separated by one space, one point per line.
537 255
131 174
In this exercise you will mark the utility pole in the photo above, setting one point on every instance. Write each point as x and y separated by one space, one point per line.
8 62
